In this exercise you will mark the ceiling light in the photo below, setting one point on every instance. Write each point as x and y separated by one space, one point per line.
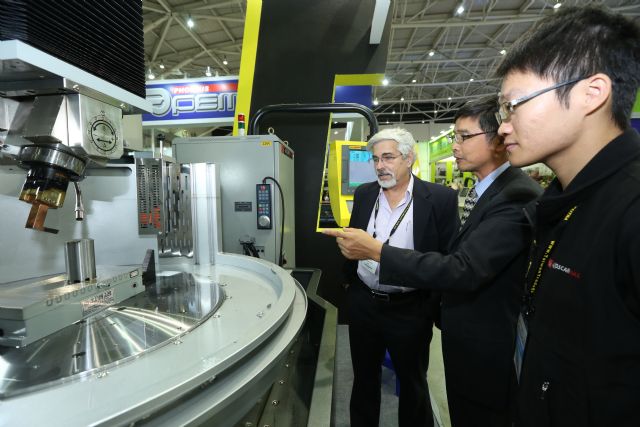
423 121
449 98
393 112
413 81
385 82
435 111
190 22
402 98
224 61
208 72
151 76
375 101
557 5
471 79
387 121
503 52
460 9
335 132
161 65
431 53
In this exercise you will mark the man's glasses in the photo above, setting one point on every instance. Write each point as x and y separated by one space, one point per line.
507 108
461 137
385 159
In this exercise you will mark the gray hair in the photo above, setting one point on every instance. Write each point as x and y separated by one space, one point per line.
406 143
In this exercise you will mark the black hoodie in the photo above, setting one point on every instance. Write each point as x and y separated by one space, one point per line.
582 360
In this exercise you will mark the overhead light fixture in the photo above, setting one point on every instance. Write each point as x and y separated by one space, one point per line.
385 82
471 79
161 65
393 112
387 121
224 61
423 121
402 98
335 132
208 71
435 111
190 22
449 98
151 76
503 52
431 53
413 81
557 5
460 9
375 101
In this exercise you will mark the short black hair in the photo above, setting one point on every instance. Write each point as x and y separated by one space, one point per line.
484 109
579 42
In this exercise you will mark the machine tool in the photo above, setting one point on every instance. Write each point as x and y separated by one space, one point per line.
88 334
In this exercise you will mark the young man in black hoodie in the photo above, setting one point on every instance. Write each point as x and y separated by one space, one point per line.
568 90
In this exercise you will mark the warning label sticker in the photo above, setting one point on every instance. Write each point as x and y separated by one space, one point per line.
97 302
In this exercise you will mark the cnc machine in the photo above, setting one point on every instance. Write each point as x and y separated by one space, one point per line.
95 327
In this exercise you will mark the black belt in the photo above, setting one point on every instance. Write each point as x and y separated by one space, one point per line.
386 296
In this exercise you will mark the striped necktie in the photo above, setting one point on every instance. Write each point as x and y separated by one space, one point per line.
469 203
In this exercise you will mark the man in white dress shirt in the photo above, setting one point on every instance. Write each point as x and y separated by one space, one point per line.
405 212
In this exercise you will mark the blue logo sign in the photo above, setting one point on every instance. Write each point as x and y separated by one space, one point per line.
193 101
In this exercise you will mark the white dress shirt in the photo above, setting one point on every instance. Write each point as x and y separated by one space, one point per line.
382 225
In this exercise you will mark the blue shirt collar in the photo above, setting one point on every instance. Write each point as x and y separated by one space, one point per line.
482 186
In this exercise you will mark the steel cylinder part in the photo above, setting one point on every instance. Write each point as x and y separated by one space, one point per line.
80 260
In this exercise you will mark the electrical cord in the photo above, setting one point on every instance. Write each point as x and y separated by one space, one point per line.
249 249
281 257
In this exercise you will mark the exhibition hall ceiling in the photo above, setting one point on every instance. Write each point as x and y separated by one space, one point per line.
439 55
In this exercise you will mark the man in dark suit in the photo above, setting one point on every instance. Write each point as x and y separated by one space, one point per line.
402 211
482 276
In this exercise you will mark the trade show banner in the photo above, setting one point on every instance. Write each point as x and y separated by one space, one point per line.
191 101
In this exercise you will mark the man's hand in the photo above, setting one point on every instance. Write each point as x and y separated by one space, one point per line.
356 244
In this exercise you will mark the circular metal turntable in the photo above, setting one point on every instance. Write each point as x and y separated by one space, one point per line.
202 339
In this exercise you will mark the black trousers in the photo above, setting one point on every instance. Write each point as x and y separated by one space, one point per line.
403 327
467 413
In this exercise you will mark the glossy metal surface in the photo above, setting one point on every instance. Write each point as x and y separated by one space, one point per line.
80 260
173 305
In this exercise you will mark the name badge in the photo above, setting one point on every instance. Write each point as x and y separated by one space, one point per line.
370 265
521 342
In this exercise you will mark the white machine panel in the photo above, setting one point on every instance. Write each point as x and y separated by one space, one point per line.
243 163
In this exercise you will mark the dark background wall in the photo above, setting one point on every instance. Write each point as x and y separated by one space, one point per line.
302 45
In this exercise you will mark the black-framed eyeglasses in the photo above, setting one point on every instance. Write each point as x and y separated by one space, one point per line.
385 158
507 108
461 137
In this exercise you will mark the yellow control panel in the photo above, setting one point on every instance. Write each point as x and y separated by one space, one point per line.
349 166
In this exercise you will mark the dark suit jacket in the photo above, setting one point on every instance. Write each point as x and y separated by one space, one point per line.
482 281
435 219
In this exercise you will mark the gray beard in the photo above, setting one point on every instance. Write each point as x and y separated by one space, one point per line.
390 183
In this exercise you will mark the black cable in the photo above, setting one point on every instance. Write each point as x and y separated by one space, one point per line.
245 250
249 249
253 250
281 258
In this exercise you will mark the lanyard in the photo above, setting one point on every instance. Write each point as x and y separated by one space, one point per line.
543 261
395 227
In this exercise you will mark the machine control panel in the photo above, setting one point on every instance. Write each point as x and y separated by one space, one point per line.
263 204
